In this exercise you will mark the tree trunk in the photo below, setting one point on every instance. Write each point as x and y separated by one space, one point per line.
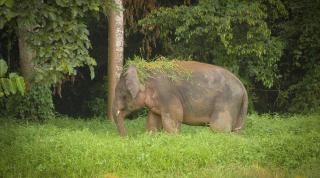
115 51
26 54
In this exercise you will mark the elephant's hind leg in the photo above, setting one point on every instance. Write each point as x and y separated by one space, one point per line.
221 121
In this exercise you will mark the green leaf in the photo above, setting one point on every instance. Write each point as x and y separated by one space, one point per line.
92 75
4 84
1 91
10 14
12 75
2 2
2 23
19 82
61 3
52 16
12 86
94 7
3 67
9 3
12 78
9 86
74 13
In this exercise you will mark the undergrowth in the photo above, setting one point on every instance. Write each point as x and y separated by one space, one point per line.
269 146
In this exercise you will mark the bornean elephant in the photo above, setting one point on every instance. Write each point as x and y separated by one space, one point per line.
211 96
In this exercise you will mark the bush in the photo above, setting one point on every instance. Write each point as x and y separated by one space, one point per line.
95 104
37 104
97 107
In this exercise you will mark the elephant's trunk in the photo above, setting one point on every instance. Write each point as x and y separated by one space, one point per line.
119 120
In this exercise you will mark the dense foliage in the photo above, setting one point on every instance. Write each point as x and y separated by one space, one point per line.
272 45
300 65
269 44
57 32
270 146
231 33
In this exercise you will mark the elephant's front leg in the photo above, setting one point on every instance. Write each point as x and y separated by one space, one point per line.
154 123
172 118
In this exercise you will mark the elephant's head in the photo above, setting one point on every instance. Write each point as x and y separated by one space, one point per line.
129 96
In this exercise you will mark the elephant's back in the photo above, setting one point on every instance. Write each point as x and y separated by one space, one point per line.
194 66
208 85
210 72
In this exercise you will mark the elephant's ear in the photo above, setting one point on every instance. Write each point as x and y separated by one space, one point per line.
132 81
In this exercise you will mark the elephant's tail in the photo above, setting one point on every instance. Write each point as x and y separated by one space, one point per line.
243 112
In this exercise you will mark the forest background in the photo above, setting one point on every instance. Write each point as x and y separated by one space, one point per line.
271 45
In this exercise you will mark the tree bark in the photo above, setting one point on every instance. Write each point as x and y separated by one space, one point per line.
26 53
115 52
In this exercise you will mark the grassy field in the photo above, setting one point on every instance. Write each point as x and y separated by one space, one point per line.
269 146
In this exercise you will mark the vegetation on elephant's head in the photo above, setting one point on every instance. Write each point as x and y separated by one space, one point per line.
158 65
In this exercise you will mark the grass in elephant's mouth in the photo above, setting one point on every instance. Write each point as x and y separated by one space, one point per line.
270 146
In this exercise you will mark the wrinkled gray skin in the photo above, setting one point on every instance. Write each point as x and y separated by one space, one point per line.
212 96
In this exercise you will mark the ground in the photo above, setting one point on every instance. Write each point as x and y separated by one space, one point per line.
269 146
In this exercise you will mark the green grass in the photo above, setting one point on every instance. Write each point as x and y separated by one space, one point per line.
269 146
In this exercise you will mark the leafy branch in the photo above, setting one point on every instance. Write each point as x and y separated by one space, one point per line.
12 84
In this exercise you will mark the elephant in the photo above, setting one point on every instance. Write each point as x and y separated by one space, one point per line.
211 96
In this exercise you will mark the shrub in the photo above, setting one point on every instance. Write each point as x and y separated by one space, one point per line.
37 104
97 106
